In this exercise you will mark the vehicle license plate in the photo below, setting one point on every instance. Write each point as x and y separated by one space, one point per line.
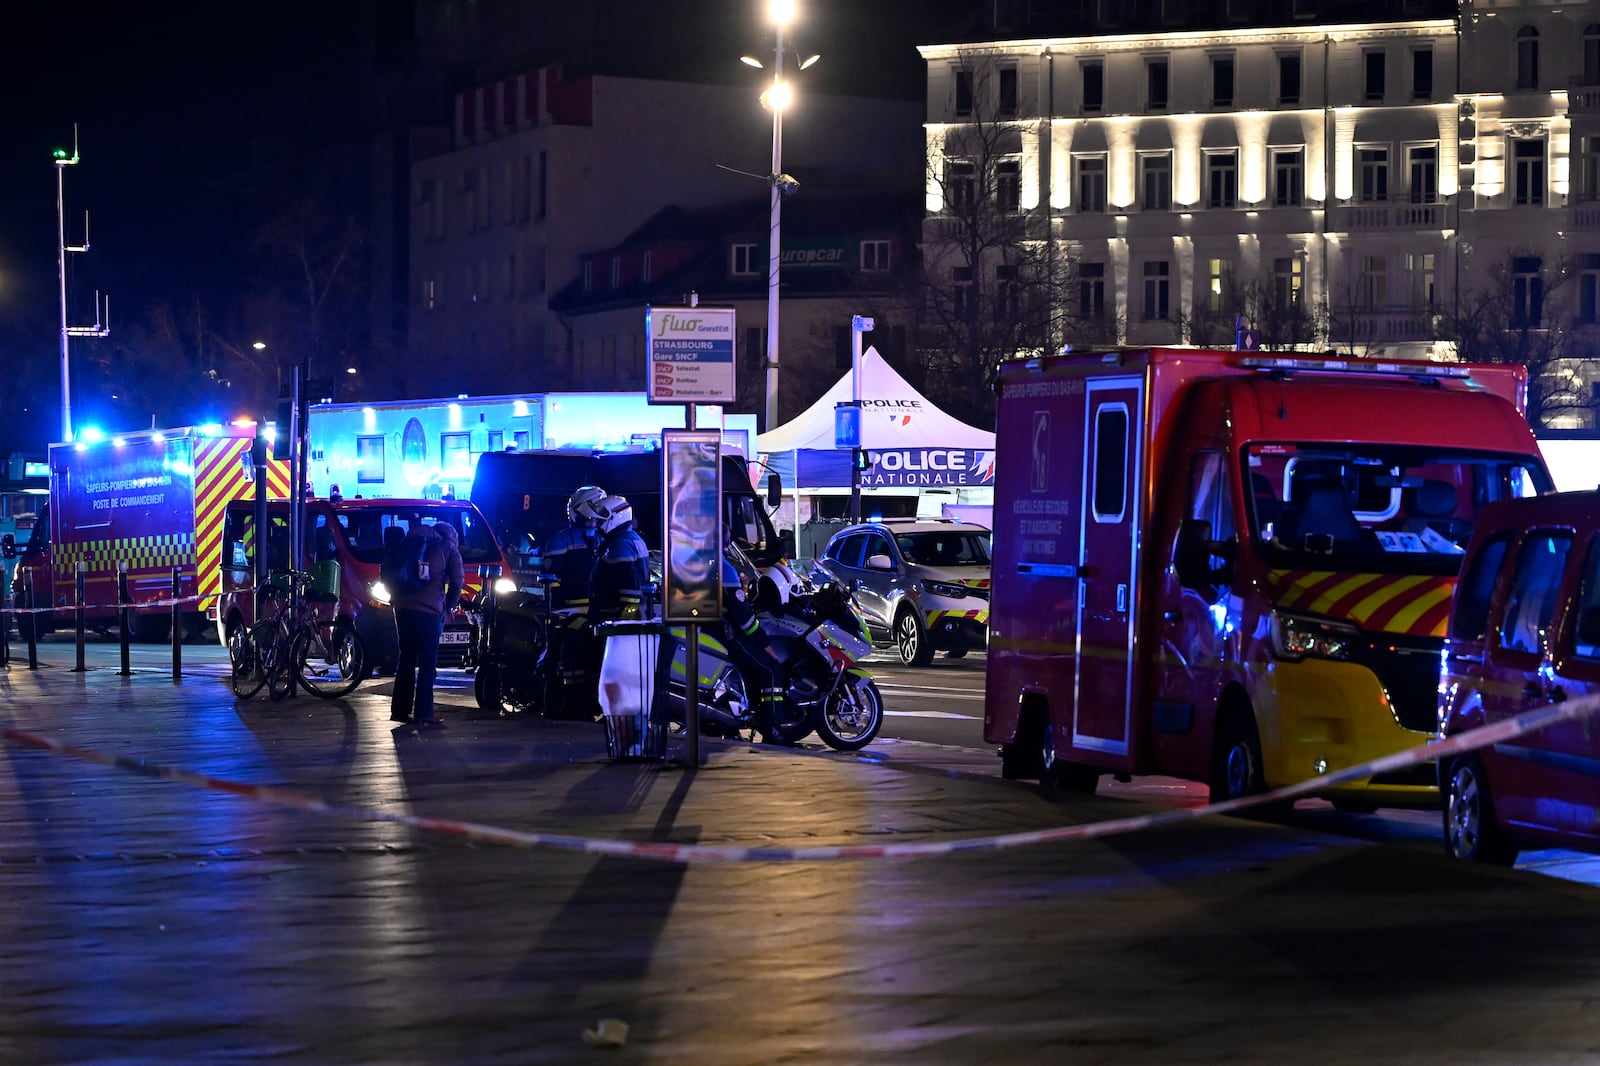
456 636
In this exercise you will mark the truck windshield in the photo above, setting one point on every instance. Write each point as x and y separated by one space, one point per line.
364 530
1375 507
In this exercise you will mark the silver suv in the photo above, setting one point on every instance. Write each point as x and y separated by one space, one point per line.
923 584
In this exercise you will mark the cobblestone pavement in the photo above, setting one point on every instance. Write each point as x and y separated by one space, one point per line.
146 921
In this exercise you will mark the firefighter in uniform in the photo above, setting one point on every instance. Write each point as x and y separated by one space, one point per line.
622 567
568 558
570 554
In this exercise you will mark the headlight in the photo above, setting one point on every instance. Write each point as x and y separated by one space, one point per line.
505 586
379 592
1295 638
945 589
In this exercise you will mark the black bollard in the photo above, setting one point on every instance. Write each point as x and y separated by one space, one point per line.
5 626
124 618
177 628
77 610
33 620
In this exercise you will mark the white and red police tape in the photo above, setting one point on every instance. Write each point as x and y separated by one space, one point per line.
1495 733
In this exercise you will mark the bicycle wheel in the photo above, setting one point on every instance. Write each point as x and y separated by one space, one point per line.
330 658
277 662
248 676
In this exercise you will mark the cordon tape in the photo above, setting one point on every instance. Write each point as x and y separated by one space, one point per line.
1472 740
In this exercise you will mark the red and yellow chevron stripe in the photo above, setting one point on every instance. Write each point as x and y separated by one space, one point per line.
1389 603
936 618
221 475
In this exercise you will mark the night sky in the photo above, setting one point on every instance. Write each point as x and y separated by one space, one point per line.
172 99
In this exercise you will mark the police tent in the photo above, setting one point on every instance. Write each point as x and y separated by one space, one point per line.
921 460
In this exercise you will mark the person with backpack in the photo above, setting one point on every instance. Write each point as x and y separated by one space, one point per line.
424 578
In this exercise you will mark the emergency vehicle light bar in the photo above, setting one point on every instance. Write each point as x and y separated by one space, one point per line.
1360 366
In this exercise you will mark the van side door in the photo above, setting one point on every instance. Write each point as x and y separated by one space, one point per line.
1110 508
1523 770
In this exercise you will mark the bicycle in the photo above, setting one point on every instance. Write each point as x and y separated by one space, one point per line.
324 653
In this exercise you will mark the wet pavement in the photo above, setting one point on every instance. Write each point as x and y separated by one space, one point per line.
147 921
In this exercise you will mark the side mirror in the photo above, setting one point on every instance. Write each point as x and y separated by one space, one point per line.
8 546
774 490
879 562
1199 560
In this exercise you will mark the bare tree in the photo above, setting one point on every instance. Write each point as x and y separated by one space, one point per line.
996 282
1520 314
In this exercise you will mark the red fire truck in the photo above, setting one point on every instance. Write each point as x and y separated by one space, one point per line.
151 500
1235 567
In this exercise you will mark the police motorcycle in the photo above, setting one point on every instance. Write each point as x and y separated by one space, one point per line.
520 666
819 636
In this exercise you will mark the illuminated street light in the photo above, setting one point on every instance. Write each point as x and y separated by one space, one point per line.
777 98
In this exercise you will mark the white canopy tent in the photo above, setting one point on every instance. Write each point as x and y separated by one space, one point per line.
914 446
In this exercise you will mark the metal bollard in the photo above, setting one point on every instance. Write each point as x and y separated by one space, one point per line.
77 581
124 618
5 626
177 627
33 620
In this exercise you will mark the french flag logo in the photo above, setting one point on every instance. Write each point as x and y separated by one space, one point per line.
899 420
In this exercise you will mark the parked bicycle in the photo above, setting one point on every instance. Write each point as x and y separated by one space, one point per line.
297 639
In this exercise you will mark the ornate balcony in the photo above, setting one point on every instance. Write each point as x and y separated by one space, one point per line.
1392 214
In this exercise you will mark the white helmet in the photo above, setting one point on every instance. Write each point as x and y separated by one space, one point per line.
581 506
614 513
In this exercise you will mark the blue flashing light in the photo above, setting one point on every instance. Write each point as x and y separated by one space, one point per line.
211 429
158 437
80 446
119 441
92 435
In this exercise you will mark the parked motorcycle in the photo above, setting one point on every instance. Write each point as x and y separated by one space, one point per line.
534 660
818 636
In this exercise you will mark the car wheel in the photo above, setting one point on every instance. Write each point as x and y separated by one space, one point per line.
911 639
1236 759
1471 830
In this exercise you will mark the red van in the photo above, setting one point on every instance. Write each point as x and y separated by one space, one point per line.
350 533
1524 632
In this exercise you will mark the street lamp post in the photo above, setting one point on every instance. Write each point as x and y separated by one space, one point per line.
777 98
782 12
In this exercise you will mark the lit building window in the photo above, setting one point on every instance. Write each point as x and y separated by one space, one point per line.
1288 274
960 185
1219 280
1419 276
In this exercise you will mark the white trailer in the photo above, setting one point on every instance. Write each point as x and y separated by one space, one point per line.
429 448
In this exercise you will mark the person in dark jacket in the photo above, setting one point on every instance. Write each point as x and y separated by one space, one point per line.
622 569
419 616
569 555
